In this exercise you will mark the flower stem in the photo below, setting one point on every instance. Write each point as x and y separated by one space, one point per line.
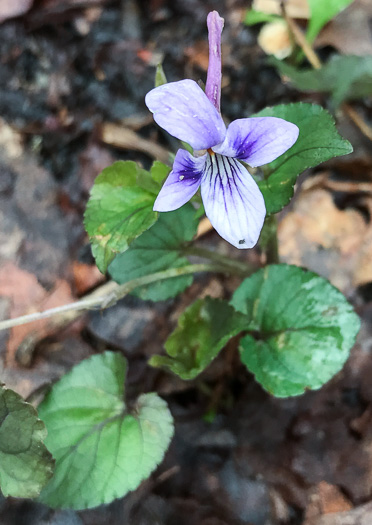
229 264
269 241
108 295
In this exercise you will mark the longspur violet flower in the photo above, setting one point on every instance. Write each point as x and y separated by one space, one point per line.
232 200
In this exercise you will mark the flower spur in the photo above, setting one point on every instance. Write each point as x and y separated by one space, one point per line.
232 200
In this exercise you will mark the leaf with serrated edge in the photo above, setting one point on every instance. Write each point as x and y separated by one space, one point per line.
158 249
304 329
318 141
25 463
159 172
102 450
118 211
203 330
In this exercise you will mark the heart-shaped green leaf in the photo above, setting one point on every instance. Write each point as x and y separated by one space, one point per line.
25 463
102 449
203 330
303 329
157 249
318 141
118 211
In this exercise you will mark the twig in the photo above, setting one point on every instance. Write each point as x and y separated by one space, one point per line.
121 137
324 181
300 39
358 121
108 295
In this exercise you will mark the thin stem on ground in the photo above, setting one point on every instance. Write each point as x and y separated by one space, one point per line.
109 294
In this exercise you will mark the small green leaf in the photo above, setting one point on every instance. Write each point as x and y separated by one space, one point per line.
344 77
254 17
322 12
159 248
102 449
318 141
160 77
118 211
159 172
304 329
203 330
25 463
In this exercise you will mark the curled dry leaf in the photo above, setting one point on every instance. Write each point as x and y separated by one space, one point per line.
319 236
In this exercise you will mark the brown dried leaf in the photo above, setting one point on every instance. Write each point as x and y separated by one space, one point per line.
26 296
363 266
318 235
350 32
86 276
325 499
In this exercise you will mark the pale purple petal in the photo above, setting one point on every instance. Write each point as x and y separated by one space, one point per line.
258 140
232 201
213 84
183 109
182 182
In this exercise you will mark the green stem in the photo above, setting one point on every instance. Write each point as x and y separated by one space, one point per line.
229 264
271 245
108 294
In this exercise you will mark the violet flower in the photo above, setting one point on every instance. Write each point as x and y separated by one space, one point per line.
232 200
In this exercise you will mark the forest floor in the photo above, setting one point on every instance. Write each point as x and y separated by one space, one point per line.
70 71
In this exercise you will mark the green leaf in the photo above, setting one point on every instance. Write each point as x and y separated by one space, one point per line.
158 249
318 141
25 463
203 330
118 211
159 172
102 449
160 77
304 329
322 12
254 17
344 77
